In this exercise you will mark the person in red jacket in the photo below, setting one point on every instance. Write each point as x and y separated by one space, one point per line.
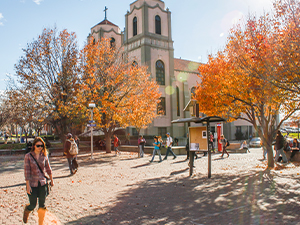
116 144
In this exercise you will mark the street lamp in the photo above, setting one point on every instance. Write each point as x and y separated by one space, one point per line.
92 106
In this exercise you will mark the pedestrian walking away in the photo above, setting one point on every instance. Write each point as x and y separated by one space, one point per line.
265 150
36 163
157 146
117 143
141 144
224 143
169 143
279 145
71 151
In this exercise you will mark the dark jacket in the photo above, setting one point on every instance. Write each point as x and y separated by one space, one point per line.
279 142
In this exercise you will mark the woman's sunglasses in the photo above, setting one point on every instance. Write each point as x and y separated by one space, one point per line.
39 146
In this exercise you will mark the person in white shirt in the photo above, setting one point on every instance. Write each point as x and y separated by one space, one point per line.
169 143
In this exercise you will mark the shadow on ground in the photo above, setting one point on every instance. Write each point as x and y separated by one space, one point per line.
255 198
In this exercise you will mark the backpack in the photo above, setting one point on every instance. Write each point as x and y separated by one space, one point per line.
227 143
119 142
73 148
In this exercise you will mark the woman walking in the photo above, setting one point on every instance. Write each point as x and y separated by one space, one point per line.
223 141
141 144
157 146
35 164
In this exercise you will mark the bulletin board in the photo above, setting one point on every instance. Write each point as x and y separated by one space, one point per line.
196 137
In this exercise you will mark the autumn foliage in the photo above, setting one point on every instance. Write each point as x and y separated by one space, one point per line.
49 68
124 93
251 78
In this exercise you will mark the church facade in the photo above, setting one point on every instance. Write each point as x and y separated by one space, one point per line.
147 40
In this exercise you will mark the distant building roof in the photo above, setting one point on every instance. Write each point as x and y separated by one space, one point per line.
106 22
186 66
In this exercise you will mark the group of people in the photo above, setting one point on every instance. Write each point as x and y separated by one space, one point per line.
158 143
282 146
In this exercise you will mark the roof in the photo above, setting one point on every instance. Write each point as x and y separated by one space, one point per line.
106 22
200 119
186 65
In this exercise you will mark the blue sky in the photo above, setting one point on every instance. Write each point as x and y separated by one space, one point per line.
199 27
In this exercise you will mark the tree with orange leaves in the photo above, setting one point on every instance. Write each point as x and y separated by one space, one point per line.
124 93
236 82
49 68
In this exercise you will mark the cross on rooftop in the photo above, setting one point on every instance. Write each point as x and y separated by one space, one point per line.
105 9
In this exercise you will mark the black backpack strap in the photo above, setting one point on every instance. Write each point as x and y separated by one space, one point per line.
38 166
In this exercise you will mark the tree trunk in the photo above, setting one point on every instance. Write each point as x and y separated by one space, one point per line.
270 156
108 142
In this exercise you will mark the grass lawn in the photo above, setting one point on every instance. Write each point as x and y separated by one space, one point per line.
293 135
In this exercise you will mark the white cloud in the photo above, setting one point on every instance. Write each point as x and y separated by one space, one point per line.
1 17
37 1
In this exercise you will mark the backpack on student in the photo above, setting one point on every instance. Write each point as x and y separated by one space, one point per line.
73 148
119 142
227 143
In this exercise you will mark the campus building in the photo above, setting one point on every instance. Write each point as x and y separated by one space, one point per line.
147 40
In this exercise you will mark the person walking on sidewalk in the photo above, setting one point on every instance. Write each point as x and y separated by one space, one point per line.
169 143
157 146
279 144
117 144
223 141
36 163
70 153
141 144
211 142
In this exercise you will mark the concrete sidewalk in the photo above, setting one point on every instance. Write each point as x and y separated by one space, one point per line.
130 190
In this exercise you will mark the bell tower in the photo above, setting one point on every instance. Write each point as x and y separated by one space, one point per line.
148 41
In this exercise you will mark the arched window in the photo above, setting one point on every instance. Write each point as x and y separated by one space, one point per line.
134 64
178 101
94 41
160 72
157 25
134 26
112 42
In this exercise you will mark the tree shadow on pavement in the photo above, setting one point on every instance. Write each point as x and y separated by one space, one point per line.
216 159
83 161
179 171
253 198
181 161
142 165
12 186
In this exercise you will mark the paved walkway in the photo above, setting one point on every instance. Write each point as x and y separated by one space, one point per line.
130 190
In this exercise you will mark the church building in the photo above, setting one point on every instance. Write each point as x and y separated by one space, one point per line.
147 40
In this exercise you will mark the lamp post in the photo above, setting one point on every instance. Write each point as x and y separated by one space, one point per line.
92 106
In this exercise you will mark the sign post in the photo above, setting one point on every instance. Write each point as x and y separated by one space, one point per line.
92 106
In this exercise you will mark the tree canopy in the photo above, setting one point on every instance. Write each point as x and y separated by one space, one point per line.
246 79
